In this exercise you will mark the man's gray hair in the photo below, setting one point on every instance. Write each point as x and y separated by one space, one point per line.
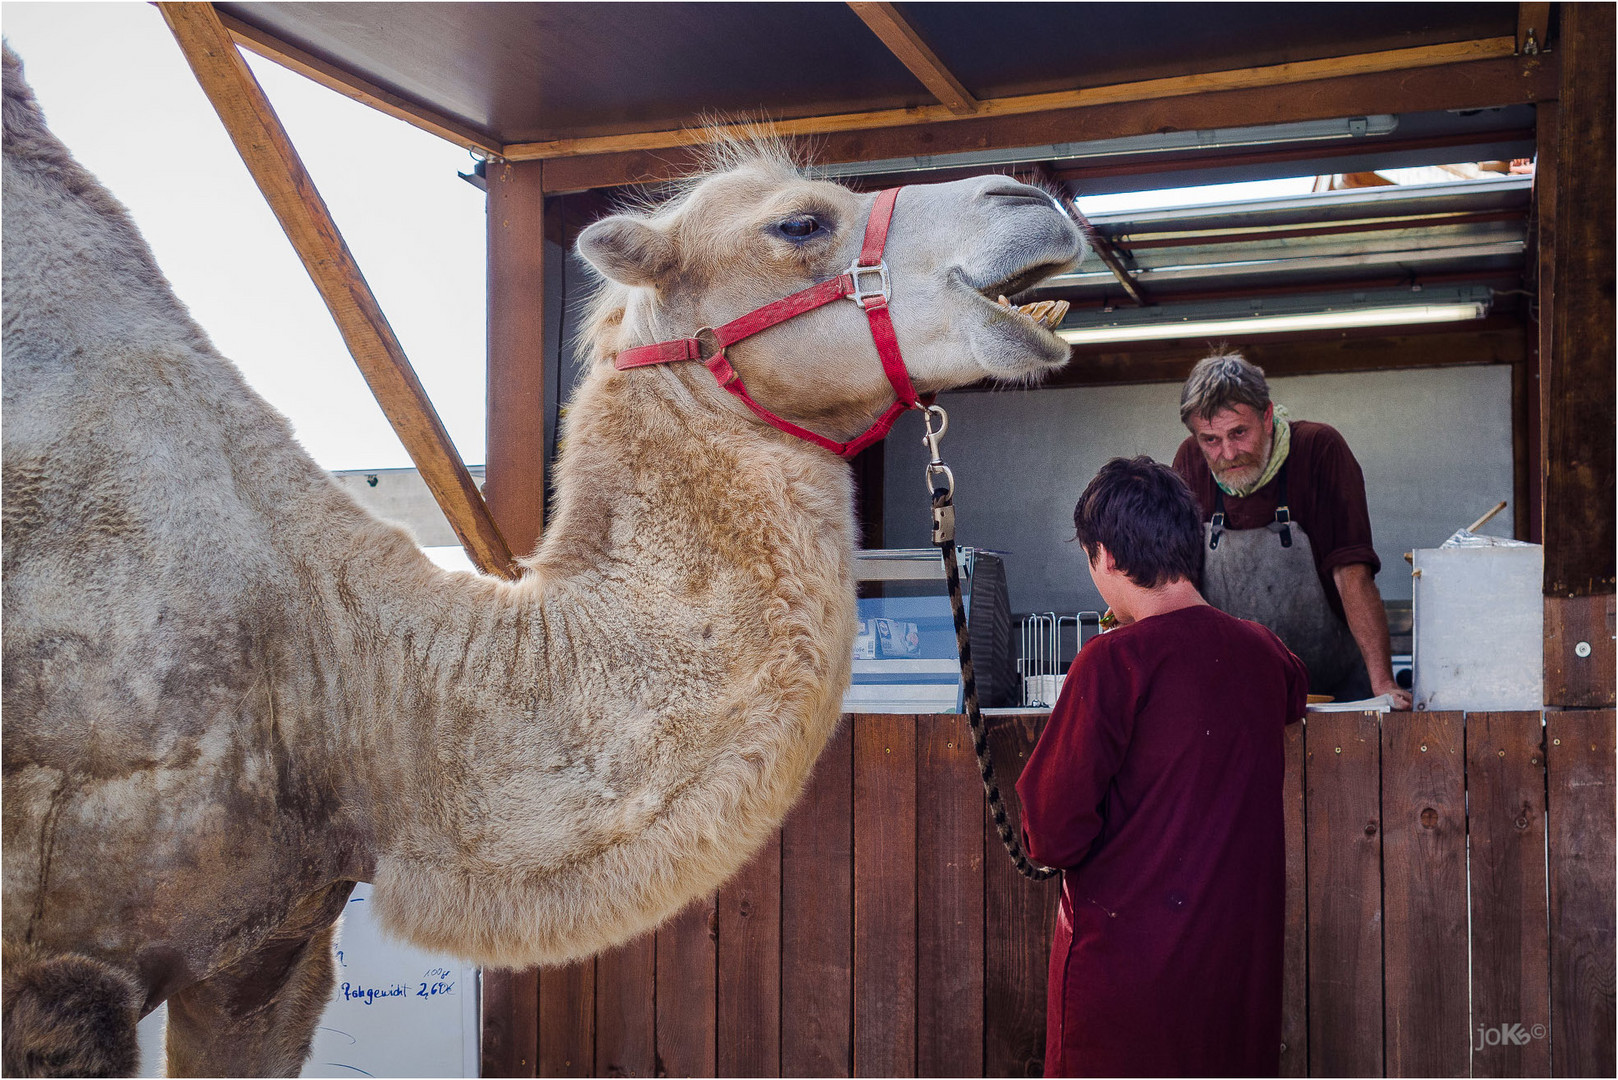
1222 381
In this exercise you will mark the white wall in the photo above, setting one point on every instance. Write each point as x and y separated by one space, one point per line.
1435 446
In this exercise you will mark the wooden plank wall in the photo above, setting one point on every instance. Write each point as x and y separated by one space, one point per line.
884 931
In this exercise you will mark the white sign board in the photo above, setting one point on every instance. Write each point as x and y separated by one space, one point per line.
396 1011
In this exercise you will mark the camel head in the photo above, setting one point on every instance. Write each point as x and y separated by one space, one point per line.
758 230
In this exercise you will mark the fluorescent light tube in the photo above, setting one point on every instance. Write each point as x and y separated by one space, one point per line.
1401 315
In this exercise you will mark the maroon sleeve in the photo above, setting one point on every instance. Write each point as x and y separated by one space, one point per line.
1297 684
1341 525
1193 469
1078 754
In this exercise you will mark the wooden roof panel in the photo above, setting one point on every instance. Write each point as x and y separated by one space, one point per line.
1010 49
530 72
537 72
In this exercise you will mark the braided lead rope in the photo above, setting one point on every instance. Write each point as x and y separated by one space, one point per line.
944 537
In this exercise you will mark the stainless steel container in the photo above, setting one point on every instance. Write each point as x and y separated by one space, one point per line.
1479 635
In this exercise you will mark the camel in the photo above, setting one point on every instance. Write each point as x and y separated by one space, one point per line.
230 693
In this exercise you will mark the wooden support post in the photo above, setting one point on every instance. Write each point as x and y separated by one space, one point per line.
287 187
514 478
514 471
1576 372
1541 274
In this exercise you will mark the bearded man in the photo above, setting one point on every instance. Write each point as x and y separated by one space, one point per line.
1287 535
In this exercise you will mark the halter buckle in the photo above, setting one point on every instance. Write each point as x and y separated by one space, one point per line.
862 296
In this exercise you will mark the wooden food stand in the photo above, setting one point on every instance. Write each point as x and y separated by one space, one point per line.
884 933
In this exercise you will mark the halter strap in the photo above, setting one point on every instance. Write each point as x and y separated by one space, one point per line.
865 282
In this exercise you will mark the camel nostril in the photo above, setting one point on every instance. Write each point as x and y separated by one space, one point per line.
1002 190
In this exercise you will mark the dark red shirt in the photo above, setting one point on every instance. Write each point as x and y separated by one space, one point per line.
1325 490
1156 786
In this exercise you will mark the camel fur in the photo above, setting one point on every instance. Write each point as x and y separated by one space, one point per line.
230 693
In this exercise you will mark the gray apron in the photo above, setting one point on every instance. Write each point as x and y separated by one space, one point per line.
1268 575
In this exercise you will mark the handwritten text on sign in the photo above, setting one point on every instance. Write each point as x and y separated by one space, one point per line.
435 982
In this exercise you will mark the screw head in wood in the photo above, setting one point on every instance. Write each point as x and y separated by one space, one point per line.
1502 753
1339 749
1424 748
1582 649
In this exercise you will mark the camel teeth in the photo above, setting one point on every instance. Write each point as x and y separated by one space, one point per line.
1003 302
1047 313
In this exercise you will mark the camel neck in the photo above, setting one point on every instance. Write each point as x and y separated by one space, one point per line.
649 697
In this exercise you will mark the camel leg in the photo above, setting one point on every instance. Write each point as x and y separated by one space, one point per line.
68 1015
257 1017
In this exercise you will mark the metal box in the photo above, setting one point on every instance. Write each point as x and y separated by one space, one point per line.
905 655
1479 635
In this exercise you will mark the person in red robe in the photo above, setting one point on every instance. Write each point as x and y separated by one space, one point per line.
1156 788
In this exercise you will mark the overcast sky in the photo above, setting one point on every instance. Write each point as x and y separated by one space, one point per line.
117 91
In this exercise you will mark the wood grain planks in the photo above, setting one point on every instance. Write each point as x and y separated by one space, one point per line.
748 1011
817 919
1295 951
1590 680
884 895
510 1023
1580 756
949 900
1424 893
567 1000
1019 917
1345 895
626 985
686 1020
1505 781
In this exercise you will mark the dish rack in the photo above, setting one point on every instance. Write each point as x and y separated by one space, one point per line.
1048 643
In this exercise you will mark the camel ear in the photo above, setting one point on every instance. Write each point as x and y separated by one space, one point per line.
627 250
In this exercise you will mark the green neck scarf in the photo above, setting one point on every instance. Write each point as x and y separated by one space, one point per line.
1280 444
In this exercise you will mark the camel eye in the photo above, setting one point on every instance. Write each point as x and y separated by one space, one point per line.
800 227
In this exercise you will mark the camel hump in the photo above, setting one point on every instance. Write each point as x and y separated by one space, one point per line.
67 1015
24 122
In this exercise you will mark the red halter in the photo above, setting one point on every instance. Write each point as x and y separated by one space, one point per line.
869 267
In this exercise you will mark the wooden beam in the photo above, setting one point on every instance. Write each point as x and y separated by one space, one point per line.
514 477
1479 84
903 41
1533 28
1294 354
1392 60
352 86
1577 383
288 188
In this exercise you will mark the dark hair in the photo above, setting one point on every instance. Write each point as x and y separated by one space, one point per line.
1146 516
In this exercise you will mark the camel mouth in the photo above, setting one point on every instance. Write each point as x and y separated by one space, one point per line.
1024 281
1013 295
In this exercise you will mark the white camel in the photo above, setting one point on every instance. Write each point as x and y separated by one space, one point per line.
230 693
